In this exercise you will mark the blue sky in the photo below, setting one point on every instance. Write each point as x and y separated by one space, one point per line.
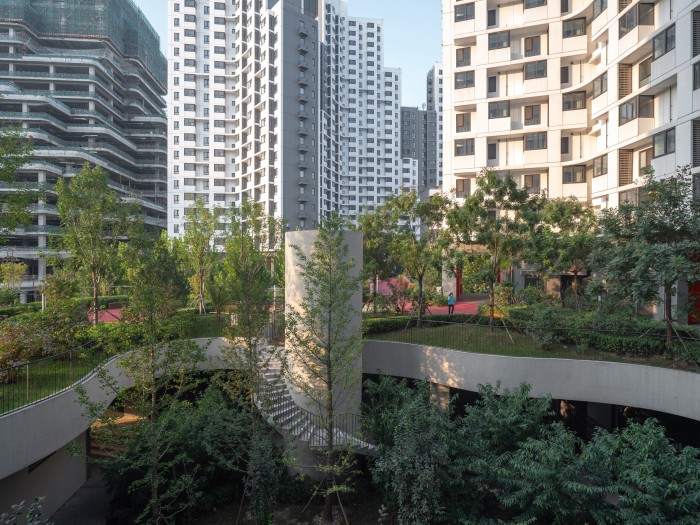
412 32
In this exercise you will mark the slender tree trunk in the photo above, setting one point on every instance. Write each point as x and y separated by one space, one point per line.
492 305
575 289
155 510
330 424
375 280
668 318
95 297
201 293
419 323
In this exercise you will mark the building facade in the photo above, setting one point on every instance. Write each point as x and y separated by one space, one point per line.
283 102
574 97
373 121
414 126
86 82
434 137
243 102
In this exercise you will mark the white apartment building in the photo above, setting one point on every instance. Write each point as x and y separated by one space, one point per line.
373 121
434 139
285 102
573 96
244 105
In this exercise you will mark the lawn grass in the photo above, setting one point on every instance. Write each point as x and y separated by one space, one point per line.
476 339
40 379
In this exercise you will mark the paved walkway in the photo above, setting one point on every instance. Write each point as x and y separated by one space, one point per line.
88 506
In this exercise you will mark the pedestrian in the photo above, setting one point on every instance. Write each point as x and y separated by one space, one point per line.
451 303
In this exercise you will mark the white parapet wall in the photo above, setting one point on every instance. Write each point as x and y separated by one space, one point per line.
662 389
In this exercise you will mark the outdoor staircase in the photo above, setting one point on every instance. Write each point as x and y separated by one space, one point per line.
285 415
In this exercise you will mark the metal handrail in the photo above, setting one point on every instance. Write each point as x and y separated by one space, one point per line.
26 383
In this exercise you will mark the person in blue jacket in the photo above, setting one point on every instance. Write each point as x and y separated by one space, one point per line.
450 303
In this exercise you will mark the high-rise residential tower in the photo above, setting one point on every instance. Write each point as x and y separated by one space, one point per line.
84 80
284 102
575 97
244 107
374 121
434 135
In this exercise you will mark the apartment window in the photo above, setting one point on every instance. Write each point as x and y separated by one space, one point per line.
499 109
492 84
600 166
464 57
696 33
464 122
564 7
640 14
629 197
464 79
464 12
696 75
491 17
536 69
664 143
529 4
532 46
564 75
532 183
645 157
532 115
598 7
575 27
565 149
463 187
600 85
464 147
665 42
535 141
499 40
574 101
645 71
574 174
492 151
641 106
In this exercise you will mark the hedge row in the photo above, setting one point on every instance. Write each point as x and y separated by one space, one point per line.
381 325
104 301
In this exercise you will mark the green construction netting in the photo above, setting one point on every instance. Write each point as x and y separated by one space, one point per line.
119 20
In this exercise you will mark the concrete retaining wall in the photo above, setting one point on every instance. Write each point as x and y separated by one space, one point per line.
672 391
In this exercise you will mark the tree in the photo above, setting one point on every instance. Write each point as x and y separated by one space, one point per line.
417 466
493 221
653 244
94 220
15 152
324 338
198 242
60 285
418 237
563 240
161 373
247 269
11 274
377 255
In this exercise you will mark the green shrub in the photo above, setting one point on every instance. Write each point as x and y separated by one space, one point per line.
37 334
393 324
10 311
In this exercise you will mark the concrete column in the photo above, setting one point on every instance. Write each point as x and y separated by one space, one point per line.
602 413
348 401
440 394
